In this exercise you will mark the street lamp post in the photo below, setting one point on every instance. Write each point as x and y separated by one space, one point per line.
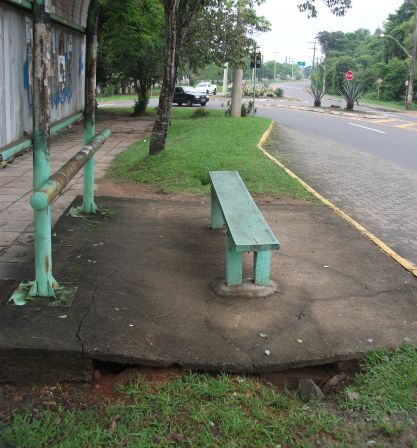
412 57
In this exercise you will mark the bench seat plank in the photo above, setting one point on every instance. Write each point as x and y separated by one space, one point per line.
246 225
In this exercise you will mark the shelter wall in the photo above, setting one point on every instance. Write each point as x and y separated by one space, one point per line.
16 80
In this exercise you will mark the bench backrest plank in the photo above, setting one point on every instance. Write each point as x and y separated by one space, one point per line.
247 226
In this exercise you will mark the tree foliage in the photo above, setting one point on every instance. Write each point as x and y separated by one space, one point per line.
130 45
372 57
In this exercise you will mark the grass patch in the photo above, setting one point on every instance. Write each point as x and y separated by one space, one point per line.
196 146
200 410
390 104
195 411
388 383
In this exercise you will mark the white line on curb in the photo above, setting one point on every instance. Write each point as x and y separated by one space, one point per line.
369 129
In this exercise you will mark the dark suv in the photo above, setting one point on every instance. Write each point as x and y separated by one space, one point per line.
189 96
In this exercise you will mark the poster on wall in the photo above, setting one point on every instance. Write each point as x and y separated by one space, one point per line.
53 41
61 68
29 32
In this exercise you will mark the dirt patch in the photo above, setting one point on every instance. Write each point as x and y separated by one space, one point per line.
102 391
107 187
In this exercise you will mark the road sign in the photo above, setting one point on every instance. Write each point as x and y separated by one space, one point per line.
301 63
349 75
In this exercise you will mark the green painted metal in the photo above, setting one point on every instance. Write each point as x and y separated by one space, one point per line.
44 284
58 127
10 152
67 23
247 226
89 205
233 263
261 266
217 221
65 294
247 230
53 186
22 3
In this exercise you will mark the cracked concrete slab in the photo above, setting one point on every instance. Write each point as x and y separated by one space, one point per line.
145 295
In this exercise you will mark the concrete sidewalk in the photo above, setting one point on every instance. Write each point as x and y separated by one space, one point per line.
16 214
145 273
145 295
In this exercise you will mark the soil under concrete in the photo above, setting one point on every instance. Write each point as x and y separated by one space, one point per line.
144 276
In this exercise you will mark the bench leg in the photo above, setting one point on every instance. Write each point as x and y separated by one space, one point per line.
261 266
217 221
233 264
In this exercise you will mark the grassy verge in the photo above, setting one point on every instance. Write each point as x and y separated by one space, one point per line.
198 410
390 104
196 146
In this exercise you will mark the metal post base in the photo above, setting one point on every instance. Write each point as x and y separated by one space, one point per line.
63 295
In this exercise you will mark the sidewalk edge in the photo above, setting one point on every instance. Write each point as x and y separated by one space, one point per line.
410 267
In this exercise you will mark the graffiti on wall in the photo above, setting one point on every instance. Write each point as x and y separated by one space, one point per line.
27 64
62 64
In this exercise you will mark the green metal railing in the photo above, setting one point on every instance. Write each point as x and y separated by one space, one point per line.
24 145
44 284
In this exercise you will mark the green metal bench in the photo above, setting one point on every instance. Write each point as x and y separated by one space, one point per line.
247 230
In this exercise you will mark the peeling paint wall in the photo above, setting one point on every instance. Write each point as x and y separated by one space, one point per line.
16 54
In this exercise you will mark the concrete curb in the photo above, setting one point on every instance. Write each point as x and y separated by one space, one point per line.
410 267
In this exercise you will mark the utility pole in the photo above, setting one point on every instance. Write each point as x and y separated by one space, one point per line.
314 54
409 104
291 61
254 77
275 64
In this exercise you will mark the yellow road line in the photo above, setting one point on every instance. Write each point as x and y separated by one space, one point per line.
405 126
410 267
385 120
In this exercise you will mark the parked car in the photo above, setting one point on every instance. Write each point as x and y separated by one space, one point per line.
189 96
206 87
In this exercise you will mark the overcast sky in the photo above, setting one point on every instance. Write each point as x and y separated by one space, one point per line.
292 31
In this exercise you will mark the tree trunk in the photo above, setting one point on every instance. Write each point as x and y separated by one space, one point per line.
349 105
236 108
160 128
317 103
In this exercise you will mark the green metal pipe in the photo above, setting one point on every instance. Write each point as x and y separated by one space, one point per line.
44 284
16 149
58 127
22 3
89 205
50 189
26 144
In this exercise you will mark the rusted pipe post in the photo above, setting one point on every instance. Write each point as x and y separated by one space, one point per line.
44 284
52 188
89 205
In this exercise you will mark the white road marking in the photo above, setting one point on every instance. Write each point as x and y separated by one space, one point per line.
369 129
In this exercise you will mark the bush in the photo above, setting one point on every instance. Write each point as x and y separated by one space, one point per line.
259 91
246 109
279 92
201 112
108 90
140 105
